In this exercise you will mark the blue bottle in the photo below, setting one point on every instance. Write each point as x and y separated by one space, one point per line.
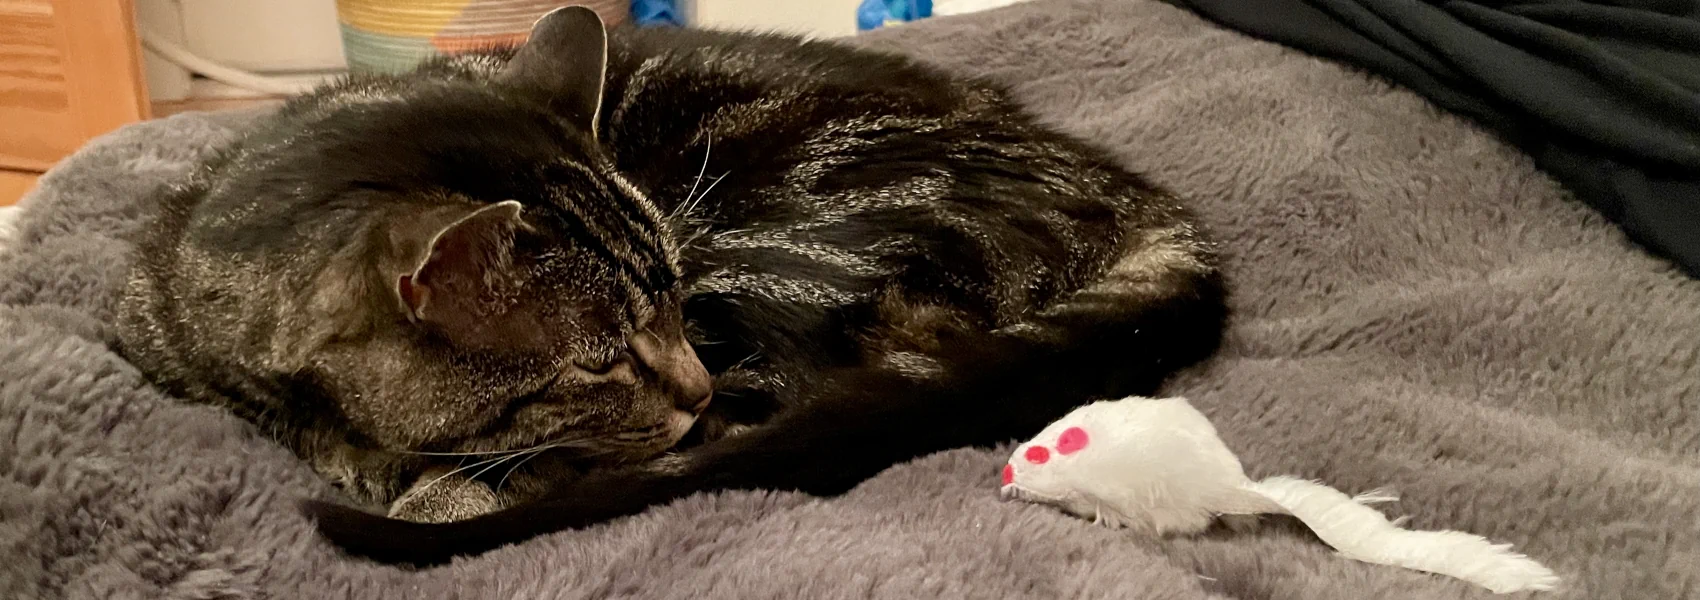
656 12
874 14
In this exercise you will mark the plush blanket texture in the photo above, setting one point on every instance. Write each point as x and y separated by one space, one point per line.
1416 307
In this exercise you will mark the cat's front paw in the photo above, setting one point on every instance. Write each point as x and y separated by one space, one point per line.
440 495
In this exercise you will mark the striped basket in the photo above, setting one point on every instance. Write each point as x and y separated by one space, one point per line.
394 35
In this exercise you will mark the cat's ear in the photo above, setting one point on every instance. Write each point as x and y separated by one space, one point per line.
467 270
567 57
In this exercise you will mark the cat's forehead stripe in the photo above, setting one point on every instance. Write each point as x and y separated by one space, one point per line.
602 203
629 214
590 225
625 224
651 212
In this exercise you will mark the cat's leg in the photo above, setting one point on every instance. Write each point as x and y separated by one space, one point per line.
442 494
452 493
405 484
371 478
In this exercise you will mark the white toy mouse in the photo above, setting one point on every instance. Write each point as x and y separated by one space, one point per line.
1159 467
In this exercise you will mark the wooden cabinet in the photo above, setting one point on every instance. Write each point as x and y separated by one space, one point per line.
69 70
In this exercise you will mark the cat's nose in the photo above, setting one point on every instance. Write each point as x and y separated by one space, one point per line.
693 386
677 367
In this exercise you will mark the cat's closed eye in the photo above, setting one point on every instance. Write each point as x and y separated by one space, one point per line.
618 366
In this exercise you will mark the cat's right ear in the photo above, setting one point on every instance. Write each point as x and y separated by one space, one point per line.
567 57
468 267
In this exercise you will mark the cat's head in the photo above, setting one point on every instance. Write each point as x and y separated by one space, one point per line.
516 290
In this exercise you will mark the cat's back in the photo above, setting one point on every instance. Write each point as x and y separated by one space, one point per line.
693 74
770 60
810 163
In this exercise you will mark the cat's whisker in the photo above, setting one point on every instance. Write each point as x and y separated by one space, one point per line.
691 206
498 463
554 443
696 235
744 362
415 453
731 233
440 478
685 206
539 452
515 467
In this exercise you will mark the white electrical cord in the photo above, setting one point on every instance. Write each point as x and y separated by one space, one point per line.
182 57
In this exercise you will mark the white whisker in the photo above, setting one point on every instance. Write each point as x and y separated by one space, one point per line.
516 467
498 463
692 205
413 453
421 489
744 362
554 443
692 238
700 172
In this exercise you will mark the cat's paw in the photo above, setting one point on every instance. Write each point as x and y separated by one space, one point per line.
440 495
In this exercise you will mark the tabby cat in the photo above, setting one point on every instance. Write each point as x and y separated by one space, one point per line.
562 251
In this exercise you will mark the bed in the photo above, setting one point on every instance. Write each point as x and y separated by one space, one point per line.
1415 307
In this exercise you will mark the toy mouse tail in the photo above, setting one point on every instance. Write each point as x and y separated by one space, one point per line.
1247 501
1362 533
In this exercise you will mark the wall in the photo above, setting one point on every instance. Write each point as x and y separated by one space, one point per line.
265 36
272 36
820 18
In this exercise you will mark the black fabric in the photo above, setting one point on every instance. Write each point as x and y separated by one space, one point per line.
1605 95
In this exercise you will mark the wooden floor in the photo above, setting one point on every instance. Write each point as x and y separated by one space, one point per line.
13 184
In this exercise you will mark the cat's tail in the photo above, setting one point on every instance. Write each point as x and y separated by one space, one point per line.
995 386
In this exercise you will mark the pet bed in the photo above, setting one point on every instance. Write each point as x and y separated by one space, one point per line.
1415 304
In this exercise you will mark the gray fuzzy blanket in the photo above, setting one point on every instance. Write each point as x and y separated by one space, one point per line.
1416 307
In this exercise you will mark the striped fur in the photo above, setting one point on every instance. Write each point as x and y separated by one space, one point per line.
875 260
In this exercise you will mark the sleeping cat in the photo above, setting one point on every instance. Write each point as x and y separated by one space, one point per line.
659 262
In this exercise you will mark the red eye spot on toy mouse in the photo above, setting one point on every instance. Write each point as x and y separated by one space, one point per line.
1072 440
